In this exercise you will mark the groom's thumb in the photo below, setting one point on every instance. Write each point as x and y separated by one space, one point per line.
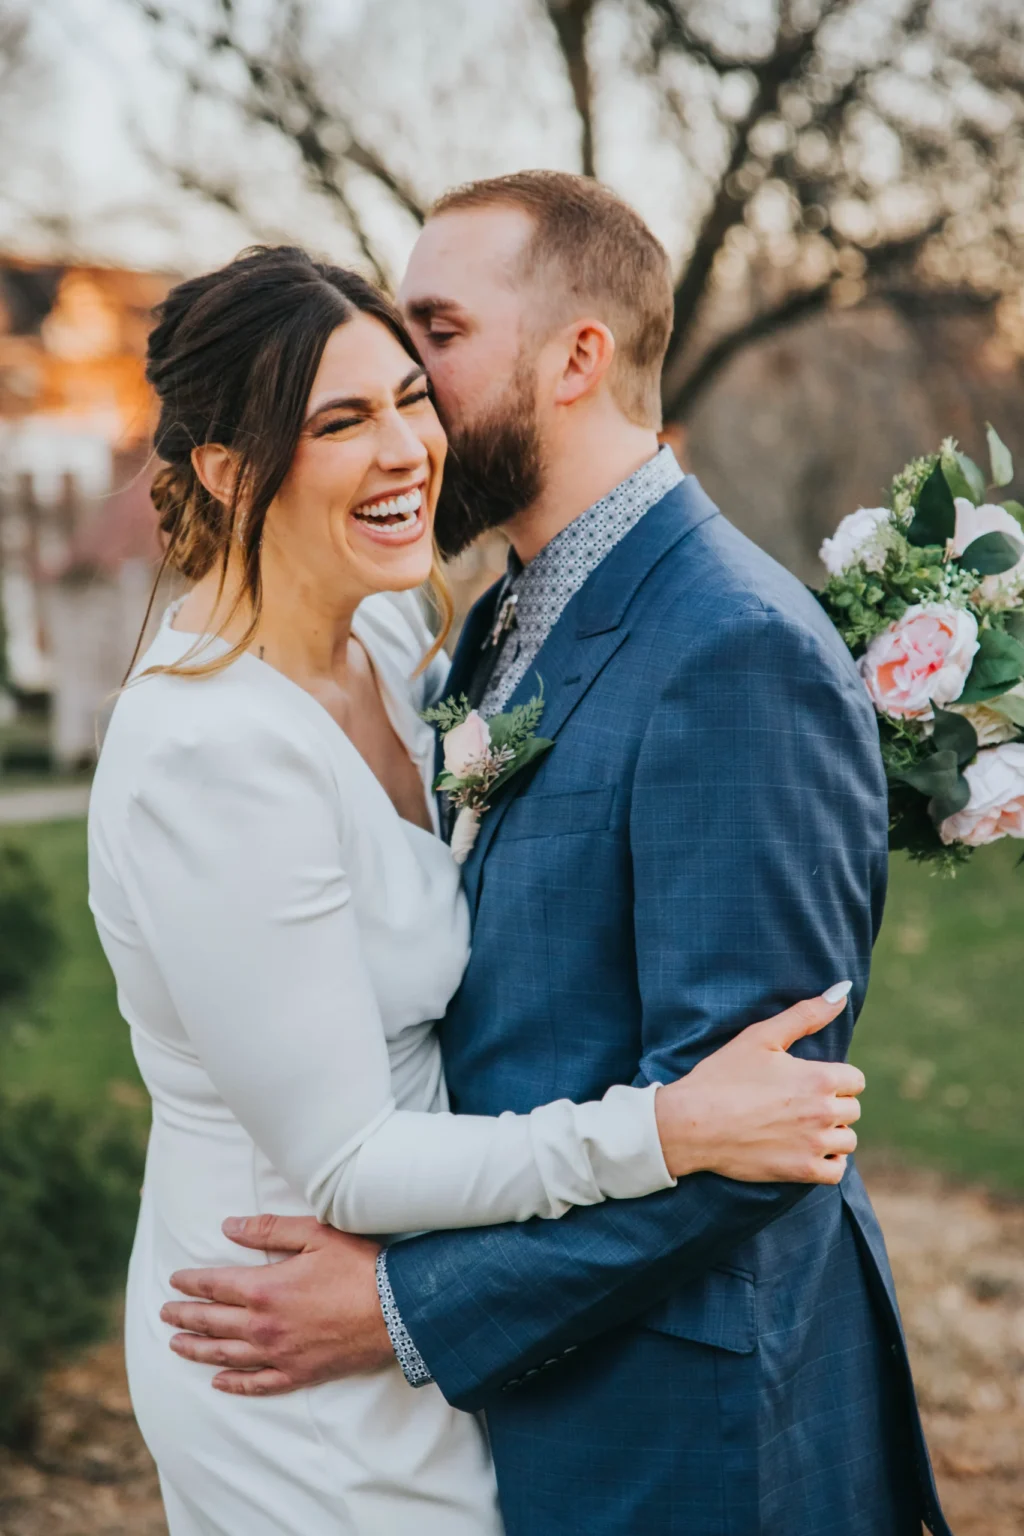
807 1017
274 1234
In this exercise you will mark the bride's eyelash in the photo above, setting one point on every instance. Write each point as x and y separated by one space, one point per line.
354 421
337 426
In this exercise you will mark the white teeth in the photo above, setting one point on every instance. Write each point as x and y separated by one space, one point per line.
396 506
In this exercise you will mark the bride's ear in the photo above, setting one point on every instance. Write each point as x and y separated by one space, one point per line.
216 468
590 353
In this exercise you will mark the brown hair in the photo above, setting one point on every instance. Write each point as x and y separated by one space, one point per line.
232 358
598 251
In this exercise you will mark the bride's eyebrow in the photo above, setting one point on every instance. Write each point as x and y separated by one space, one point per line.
360 404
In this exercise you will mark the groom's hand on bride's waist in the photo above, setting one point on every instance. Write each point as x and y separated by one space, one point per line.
312 1317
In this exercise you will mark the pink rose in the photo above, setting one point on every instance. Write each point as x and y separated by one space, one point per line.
996 806
466 747
971 523
921 658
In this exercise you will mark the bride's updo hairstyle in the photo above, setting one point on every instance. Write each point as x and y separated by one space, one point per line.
232 358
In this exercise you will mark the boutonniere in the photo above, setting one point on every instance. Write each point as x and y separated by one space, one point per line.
480 756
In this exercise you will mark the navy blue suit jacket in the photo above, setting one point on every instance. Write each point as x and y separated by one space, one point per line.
705 844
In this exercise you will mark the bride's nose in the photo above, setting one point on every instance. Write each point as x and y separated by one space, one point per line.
399 445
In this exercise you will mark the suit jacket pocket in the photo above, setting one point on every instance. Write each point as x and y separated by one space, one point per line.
719 1309
588 810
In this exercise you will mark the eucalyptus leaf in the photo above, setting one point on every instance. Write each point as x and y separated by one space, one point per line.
963 476
998 665
935 516
1015 510
949 801
1014 623
991 554
999 456
933 775
954 734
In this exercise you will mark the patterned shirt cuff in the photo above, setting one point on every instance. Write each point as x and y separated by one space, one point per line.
414 1368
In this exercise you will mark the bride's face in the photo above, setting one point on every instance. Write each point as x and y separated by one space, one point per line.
357 507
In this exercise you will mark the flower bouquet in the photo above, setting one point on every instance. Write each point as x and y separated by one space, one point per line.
928 593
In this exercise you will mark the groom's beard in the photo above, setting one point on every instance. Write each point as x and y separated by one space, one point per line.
494 469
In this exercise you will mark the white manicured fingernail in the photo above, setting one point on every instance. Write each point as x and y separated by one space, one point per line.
838 992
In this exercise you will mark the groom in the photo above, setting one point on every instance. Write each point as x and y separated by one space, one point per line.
705 844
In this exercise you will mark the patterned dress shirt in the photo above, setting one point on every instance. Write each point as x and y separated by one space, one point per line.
541 592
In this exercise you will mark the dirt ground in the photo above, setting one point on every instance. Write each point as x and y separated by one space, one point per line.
959 1262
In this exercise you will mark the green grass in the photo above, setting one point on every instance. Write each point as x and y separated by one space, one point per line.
69 1039
942 1036
941 1039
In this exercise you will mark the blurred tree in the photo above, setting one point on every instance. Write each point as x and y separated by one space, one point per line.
830 150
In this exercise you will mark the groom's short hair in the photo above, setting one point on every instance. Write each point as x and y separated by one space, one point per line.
590 245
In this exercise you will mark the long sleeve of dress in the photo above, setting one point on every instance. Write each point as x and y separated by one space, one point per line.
235 869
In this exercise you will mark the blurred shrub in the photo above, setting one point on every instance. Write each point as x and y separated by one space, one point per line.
68 1199
28 935
68 1191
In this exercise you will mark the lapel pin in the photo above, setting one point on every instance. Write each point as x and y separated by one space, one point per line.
505 620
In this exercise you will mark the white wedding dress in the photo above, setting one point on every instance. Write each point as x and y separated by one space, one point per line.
281 941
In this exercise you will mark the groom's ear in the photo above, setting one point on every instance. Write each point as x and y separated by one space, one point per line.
590 349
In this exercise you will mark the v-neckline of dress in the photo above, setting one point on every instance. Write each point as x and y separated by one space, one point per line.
394 707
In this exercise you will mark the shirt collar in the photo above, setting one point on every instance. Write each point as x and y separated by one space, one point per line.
596 531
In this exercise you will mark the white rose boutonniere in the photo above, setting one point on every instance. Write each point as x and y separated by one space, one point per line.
480 756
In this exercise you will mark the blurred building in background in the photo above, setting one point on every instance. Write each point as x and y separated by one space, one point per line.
77 530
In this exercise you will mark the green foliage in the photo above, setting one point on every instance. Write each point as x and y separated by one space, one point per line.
998 666
861 604
999 456
907 484
514 729
68 1187
448 714
991 554
934 519
963 476
28 935
67 1207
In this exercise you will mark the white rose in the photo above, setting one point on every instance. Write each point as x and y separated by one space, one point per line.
971 523
466 747
852 542
924 657
991 725
996 806
464 833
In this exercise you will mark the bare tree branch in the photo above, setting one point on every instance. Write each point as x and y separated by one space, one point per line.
571 20
283 95
882 261
728 205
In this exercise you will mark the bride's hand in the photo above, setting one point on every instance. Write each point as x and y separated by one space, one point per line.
751 1111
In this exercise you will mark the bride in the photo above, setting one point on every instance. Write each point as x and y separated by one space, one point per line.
284 922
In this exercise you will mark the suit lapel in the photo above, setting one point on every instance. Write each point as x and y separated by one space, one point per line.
591 629
474 632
